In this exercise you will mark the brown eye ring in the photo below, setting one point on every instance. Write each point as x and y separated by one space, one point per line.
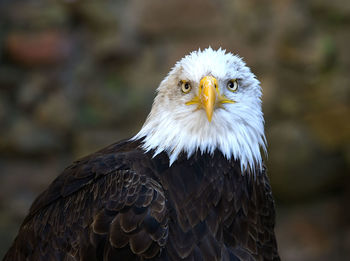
185 87
232 85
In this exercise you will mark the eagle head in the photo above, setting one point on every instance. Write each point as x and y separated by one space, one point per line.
209 101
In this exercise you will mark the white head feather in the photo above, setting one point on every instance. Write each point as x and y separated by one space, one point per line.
237 130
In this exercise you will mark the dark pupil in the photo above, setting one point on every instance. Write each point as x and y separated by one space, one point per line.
231 84
186 86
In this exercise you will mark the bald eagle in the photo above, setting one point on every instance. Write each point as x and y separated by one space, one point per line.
190 185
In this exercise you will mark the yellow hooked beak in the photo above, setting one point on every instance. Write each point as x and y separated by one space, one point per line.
209 96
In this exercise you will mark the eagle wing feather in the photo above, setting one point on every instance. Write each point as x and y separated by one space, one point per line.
95 210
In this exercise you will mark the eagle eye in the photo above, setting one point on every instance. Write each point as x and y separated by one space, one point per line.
232 85
185 86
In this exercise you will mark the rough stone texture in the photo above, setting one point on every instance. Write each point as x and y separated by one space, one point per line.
78 75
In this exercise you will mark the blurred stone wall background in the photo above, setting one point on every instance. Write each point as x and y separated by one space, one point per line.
76 76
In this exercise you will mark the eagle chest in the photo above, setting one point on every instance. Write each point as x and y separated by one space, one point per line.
207 198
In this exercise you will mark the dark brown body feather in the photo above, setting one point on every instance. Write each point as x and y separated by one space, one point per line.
122 204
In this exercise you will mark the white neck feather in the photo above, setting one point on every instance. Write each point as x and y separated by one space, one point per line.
237 137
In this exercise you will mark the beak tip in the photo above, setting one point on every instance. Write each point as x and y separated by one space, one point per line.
209 116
